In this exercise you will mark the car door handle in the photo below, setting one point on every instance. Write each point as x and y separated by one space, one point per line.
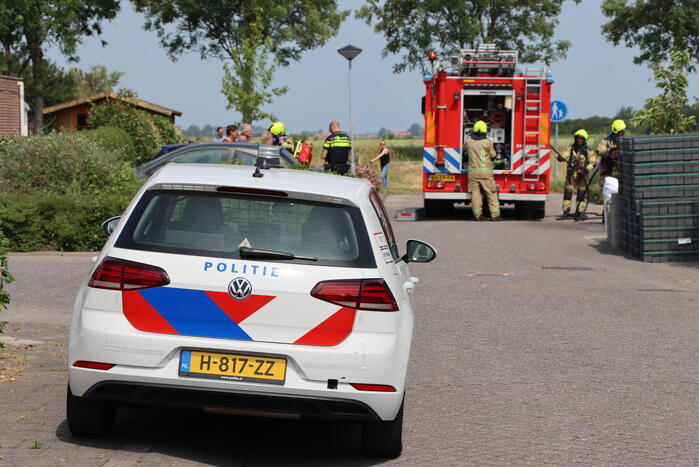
409 286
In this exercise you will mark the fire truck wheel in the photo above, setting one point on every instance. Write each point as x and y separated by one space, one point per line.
531 210
438 208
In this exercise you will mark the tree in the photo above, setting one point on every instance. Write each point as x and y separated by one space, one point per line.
97 80
30 26
207 130
665 113
58 84
656 27
384 133
193 131
412 27
251 38
416 129
249 90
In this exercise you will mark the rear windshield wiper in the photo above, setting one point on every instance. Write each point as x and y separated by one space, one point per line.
246 252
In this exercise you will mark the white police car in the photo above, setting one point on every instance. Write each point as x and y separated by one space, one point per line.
260 292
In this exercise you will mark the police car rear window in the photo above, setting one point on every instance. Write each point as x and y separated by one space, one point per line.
218 224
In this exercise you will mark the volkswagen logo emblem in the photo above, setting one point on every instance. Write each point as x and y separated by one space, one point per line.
240 288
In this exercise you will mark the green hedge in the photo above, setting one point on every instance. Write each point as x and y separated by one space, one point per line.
5 278
62 163
148 131
112 139
59 222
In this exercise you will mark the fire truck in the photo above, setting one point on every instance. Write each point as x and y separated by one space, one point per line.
484 84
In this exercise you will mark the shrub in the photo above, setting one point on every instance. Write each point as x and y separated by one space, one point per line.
136 123
62 164
147 131
65 223
370 174
112 139
5 278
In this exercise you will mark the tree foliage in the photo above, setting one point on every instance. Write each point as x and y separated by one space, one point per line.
147 131
29 27
412 27
416 129
97 79
665 113
252 38
656 27
247 84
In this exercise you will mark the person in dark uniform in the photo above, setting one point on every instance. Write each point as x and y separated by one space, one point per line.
384 158
336 150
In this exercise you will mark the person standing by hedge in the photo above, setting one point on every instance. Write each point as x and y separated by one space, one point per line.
384 158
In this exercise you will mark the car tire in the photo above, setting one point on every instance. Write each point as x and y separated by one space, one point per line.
88 418
383 439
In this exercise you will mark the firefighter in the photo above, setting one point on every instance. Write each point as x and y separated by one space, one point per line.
608 150
581 161
480 172
279 138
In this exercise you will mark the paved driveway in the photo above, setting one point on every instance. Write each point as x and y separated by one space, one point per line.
534 343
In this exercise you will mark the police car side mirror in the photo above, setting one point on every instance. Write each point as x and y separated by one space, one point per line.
419 252
110 224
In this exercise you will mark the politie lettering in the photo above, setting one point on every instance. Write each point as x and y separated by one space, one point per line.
252 269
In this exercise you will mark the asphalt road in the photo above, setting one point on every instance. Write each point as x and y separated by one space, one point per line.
534 343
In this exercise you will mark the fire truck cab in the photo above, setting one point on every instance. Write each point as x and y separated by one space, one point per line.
483 84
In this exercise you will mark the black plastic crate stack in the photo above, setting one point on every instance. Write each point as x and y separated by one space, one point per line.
659 197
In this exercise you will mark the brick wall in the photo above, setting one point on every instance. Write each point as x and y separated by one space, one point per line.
9 107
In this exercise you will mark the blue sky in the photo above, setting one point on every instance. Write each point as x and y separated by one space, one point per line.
595 79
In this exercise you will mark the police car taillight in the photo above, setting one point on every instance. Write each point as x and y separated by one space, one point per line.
366 294
120 274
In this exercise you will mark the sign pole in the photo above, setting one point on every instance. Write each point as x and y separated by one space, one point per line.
559 111
555 160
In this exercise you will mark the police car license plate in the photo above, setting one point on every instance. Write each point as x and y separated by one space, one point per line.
441 178
232 367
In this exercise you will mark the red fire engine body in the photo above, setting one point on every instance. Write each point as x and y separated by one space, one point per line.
483 84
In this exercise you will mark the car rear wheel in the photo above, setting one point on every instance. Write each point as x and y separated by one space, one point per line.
88 418
383 439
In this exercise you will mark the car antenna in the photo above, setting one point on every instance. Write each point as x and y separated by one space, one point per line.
260 163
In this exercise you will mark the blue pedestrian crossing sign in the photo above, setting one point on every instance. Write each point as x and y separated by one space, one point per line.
559 111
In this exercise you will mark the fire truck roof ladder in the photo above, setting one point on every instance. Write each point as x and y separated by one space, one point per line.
531 166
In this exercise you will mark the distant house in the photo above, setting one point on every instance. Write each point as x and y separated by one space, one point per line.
401 134
321 135
72 115
13 114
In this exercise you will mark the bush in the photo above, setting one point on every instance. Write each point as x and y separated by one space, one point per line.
369 174
64 223
62 164
5 278
136 123
147 131
112 139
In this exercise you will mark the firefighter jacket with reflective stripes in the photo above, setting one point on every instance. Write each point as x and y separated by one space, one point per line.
338 146
581 159
480 157
607 146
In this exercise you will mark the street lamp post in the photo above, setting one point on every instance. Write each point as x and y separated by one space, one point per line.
350 52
